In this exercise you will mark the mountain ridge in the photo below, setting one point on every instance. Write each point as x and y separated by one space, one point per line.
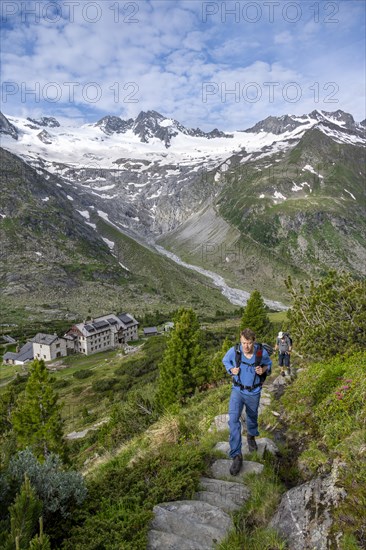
264 185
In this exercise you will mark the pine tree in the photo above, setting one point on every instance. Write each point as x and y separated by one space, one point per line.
255 316
36 419
330 316
24 514
41 541
181 369
216 369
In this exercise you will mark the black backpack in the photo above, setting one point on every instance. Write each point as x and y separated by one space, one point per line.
258 359
286 335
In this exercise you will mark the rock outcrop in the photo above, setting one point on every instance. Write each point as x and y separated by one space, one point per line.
304 517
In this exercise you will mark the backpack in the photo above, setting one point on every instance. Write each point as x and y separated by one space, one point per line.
286 335
258 357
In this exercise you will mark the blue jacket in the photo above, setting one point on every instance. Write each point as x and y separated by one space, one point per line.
247 376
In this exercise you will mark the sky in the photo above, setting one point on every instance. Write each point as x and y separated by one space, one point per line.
207 64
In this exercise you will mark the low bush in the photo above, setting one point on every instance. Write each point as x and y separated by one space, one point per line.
104 385
119 506
83 373
61 383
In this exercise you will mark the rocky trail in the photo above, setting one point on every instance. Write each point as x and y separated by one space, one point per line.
303 517
204 521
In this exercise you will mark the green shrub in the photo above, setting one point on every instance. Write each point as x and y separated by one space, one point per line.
104 385
61 383
83 373
121 498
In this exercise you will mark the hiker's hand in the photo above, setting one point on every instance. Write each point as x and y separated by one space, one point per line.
260 370
235 371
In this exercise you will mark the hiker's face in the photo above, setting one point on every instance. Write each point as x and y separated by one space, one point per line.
247 345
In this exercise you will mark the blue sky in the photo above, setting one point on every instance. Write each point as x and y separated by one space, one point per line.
225 64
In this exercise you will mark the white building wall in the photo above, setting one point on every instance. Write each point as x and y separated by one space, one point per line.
50 352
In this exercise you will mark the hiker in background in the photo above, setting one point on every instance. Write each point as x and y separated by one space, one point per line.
248 364
284 347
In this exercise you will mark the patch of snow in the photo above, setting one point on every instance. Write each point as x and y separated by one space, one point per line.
109 243
84 213
278 195
39 253
349 192
123 266
46 199
166 123
309 168
104 196
155 195
70 198
261 196
105 187
296 187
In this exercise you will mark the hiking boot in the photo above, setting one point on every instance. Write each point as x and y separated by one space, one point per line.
283 373
252 444
236 465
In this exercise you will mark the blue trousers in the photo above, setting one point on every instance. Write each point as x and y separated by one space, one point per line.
283 360
238 400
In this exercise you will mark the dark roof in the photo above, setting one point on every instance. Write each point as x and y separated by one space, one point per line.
47 339
127 319
112 321
25 353
150 330
100 324
90 328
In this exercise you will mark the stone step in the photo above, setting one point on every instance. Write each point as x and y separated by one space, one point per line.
194 520
220 470
226 495
158 540
264 444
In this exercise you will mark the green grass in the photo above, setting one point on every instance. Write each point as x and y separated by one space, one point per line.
326 409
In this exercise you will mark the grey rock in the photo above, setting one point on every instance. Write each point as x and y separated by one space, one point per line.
222 446
114 124
194 520
7 128
220 469
49 121
226 495
45 137
159 540
220 423
304 517
264 444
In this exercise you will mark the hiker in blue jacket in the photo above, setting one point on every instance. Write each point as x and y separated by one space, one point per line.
246 391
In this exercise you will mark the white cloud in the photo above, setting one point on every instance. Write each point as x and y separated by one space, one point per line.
285 37
162 60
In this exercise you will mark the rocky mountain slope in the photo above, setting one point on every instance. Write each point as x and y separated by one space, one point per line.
58 260
286 196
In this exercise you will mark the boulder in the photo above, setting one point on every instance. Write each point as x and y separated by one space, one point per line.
195 521
304 517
